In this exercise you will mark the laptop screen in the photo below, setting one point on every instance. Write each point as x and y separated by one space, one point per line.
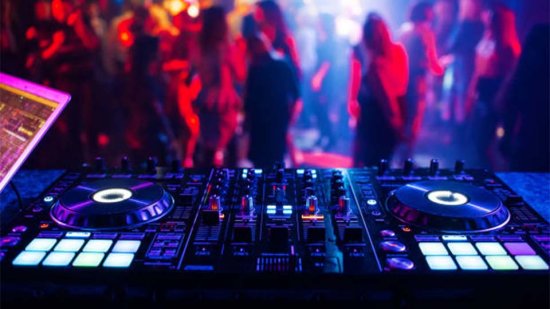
27 111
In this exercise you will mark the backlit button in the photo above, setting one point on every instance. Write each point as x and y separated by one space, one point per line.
490 248
75 234
118 260
462 248
432 248
41 244
69 245
519 248
98 245
127 246
29 258
393 246
58 259
441 262
503 262
88 259
474 262
531 262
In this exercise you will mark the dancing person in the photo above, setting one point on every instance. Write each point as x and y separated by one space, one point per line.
526 140
496 55
378 106
219 68
419 41
270 98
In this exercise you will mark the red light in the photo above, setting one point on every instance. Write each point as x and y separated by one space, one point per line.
44 225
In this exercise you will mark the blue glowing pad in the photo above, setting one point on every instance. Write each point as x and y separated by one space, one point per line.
490 248
502 262
98 245
471 262
531 262
41 244
126 246
432 248
29 258
118 260
462 248
442 262
58 259
88 259
69 245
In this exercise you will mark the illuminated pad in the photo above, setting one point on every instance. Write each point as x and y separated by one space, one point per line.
531 262
462 248
88 259
127 246
29 258
69 245
118 260
41 244
58 259
432 248
519 248
490 248
502 262
98 245
474 262
443 262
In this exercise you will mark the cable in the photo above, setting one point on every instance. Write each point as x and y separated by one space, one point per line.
19 200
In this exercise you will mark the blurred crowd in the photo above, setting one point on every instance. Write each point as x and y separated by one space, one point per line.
224 85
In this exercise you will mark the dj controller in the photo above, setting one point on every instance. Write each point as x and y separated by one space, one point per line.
381 235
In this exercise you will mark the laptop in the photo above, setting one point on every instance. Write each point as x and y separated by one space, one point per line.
27 111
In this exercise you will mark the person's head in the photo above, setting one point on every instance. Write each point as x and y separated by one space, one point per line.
469 10
42 10
270 18
214 28
500 23
421 12
376 35
249 27
258 46
61 9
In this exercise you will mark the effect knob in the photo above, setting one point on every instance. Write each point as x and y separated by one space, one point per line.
459 166
434 167
280 177
408 167
393 246
382 167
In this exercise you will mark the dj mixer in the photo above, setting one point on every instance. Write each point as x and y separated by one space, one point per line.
163 234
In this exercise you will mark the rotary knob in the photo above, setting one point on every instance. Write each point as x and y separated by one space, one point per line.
382 167
459 166
393 246
399 263
312 204
408 167
434 167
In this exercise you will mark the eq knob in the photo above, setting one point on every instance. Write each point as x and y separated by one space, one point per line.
280 176
408 167
312 204
459 166
151 165
124 164
382 167
175 166
247 203
211 213
344 204
99 164
434 167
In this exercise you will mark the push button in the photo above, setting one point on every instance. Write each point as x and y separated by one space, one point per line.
393 246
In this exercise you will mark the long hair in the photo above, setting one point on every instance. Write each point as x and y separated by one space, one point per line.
502 27
274 16
376 35
214 28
